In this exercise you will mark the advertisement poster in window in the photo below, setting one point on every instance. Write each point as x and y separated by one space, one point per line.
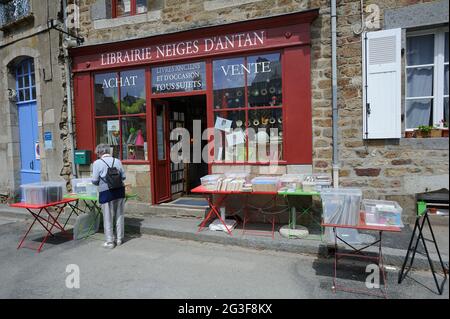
113 132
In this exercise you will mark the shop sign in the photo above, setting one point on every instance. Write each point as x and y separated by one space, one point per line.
273 33
179 78
179 49
48 141
122 82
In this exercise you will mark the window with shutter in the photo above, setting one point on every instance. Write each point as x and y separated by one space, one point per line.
426 78
382 84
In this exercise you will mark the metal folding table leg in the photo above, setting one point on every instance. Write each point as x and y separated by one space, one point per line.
420 238
213 211
359 253
74 210
51 220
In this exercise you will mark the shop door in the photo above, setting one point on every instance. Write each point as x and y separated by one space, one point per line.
161 161
30 170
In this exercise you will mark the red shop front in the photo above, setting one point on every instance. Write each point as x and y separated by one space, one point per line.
253 74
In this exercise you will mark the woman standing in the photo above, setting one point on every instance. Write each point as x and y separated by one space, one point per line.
108 174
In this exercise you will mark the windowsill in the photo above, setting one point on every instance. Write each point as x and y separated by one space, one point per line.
280 162
11 24
129 15
428 143
126 20
220 4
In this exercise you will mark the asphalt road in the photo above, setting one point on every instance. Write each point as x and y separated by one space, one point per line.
156 267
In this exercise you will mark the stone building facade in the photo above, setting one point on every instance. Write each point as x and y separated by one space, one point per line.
383 168
25 36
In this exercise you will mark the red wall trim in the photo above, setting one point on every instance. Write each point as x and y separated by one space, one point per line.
84 112
294 30
298 115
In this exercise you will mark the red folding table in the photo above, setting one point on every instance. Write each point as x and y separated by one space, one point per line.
222 196
47 222
358 252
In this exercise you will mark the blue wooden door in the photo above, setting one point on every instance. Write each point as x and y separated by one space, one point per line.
28 124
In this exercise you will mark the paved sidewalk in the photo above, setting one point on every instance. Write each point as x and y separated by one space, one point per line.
156 267
394 244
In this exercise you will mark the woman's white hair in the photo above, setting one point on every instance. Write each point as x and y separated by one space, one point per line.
102 149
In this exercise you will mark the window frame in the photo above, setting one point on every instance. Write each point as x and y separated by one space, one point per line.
133 10
247 109
20 76
438 73
120 116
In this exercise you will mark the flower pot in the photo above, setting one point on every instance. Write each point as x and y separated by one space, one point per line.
420 134
444 132
410 134
435 133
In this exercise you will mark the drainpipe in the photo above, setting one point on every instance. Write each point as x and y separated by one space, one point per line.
334 95
68 71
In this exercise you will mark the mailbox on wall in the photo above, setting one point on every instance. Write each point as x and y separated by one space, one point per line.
82 157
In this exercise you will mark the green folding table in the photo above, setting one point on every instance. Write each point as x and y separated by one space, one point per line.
90 205
303 211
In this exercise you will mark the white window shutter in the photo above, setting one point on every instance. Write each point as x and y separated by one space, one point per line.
382 84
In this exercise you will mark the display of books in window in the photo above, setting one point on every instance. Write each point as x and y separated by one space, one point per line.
177 171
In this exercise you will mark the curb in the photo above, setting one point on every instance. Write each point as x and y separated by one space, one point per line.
313 248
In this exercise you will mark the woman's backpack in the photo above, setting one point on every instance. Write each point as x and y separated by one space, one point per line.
113 176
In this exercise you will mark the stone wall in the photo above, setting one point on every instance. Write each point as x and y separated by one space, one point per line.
383 169
32 39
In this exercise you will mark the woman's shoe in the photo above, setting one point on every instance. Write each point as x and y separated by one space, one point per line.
108 245
119 242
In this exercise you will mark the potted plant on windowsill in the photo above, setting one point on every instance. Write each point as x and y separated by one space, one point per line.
435 132
444 128
423 131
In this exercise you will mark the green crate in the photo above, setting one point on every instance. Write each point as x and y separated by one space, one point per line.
421 208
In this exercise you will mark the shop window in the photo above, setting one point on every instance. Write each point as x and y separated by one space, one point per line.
123 8
120 110
248 104
426 78
132 94
264 83
229 83
106 94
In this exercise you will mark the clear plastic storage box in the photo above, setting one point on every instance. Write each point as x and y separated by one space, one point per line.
84 186
341 206
238 175
291 182
382 213
316 182
34 194
42 193
55 191
210 182
265 184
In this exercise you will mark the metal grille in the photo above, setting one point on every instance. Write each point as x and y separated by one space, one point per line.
13 11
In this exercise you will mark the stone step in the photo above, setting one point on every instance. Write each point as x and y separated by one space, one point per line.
166 210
